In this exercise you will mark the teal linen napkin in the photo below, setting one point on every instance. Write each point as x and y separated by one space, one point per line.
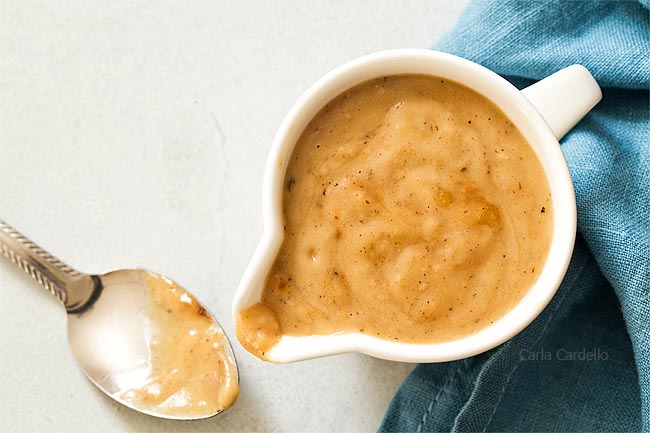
584 363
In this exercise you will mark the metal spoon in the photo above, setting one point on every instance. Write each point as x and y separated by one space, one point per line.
111 337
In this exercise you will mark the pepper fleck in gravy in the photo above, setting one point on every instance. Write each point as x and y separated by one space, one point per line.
414 211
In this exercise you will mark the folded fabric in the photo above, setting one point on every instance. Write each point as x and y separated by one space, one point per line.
584 363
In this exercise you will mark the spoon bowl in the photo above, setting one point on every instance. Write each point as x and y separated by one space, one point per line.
138 336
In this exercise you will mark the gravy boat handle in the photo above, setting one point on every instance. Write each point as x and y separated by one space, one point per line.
564 97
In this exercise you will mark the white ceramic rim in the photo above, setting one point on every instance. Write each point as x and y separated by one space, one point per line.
522 113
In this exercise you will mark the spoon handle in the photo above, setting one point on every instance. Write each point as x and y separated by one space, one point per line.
74 289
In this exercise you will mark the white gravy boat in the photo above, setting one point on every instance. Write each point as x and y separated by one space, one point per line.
543 112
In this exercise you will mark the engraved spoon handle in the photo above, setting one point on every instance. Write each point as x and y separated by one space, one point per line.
74 289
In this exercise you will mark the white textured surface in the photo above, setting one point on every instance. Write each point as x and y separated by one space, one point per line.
135 134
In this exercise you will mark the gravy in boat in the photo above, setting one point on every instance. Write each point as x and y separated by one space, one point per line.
414 211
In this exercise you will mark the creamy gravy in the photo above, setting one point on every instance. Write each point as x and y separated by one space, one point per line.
414 211
192 370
